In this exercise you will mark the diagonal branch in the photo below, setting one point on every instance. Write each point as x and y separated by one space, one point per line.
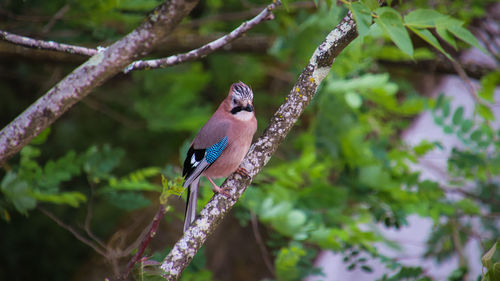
75 233
262 150
265 14
104 65
99 68
204 50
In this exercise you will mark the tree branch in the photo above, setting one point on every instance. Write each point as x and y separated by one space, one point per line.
93 73
204 50
105 64
145 242
265 14
178 42
262 150
75 233
45 45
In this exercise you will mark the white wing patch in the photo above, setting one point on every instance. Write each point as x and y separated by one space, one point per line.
194 163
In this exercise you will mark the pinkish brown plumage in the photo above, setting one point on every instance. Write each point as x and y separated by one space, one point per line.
220 145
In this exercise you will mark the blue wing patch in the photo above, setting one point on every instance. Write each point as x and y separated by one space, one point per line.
213 152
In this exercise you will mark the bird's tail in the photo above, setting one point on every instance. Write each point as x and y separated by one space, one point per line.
192 197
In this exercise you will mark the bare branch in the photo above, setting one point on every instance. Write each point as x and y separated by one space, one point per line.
262 150
57 16
74 232
88 217
46 45
145 242
265 14
93 73
260 242
204 50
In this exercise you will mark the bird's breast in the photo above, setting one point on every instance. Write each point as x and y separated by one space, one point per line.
240 139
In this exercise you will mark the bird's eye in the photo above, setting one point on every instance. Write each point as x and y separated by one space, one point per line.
234 100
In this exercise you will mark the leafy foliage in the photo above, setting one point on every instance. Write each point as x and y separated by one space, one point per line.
341 172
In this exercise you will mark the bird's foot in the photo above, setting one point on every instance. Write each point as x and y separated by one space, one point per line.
243 172
222 190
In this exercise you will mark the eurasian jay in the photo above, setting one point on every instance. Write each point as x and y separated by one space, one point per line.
220 145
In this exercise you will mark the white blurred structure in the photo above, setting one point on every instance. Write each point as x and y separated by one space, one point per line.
433 166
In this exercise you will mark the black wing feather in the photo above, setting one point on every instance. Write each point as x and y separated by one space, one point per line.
189 167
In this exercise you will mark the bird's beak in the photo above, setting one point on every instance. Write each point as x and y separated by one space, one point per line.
249 108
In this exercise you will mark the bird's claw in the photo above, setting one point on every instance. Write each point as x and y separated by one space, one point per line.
243 172
224 191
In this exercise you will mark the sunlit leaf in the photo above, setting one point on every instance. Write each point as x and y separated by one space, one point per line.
485 112
392 23
429 38
362 15
423 18
466 36
488 85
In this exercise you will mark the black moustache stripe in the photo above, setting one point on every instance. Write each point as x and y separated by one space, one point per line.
239 108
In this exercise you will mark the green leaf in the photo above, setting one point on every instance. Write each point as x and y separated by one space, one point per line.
445 35
285 5
466 125
485 112
136 180
423 147
429 38
60 170
353 100
465 35
458 116
446 109
392 23
477 135
366 268
423 18
18 192
363 17
439 102
488 84
468 206
371 4
70 198
447 129
486 259
41 138
287 261
99 162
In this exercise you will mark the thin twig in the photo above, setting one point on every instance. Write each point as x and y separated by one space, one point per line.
73 231
470 87
88 218
57 16
260 242
450 189
241 15
151 233
115 115
46 45
265 14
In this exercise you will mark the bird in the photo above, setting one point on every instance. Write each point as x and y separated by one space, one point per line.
220 145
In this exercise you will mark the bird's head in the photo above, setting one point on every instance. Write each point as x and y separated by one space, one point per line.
240 99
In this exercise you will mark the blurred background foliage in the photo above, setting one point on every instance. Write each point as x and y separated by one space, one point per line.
342 170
